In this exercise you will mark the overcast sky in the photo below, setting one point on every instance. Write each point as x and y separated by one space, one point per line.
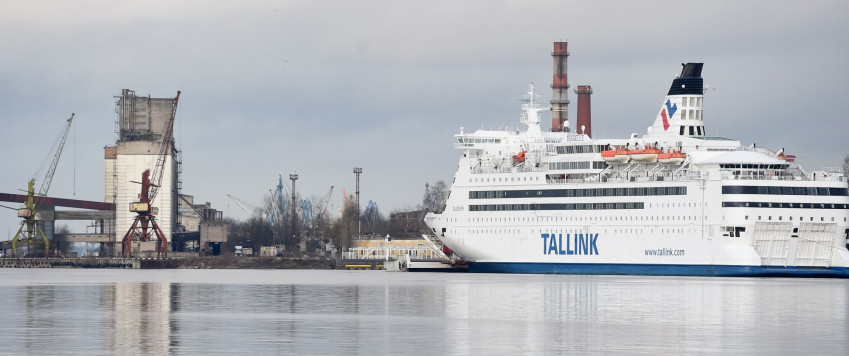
320 87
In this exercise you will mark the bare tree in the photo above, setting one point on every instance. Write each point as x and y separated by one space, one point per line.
254 233
846 165
342 230
406 222
435 197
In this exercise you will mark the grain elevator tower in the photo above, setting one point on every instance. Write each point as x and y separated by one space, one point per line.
141 126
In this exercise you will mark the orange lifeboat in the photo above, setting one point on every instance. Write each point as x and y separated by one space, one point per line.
672 157
619 155
519 157
648 154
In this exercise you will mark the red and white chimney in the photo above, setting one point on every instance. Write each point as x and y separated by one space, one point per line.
560 88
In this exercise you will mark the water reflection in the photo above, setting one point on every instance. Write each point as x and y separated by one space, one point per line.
140 318
331 312
643 315
38 301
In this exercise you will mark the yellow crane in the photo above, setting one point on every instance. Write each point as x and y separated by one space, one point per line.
31 225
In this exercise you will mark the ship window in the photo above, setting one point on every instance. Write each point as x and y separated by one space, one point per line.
681 130
747 217
683 114
691 130
699 130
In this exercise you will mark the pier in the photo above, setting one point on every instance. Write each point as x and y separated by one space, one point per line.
87 262
423 253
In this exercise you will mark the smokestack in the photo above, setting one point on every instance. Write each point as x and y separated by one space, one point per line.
584 114
560 88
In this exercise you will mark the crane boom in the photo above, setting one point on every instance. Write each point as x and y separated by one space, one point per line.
322 205
164 150
239 203
48 178
198 211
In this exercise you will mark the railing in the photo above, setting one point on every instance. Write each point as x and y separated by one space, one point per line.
660 172
729 175
419 252
510 168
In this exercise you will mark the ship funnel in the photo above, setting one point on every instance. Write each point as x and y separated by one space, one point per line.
584 112
689 82
681 111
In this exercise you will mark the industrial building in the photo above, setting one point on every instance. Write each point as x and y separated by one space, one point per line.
144 128
144 125
141 126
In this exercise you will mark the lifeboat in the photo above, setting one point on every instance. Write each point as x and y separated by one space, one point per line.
620 155
672 157
648 154
519 157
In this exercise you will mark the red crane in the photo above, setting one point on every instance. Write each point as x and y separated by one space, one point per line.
145 224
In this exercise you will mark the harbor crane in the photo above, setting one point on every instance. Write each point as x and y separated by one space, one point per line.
243 205
322 204
144 223
277 210
31 225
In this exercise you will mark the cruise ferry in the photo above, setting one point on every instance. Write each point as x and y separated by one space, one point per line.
674 201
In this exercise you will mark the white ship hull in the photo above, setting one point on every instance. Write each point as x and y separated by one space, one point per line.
669 236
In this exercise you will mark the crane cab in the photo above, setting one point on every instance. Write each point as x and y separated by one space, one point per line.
143 207
24 213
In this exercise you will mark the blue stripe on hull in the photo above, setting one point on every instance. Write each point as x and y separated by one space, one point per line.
659 270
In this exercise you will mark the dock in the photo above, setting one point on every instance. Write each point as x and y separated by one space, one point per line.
423 254
87 262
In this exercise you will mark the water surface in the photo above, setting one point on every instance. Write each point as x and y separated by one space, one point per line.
312 312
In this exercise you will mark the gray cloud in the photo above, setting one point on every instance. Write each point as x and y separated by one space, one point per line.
384 84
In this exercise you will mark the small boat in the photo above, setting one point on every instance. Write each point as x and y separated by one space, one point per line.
648 154
672 157
519 157
620 155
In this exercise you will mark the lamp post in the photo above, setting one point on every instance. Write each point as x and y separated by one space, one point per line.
357 172
294 177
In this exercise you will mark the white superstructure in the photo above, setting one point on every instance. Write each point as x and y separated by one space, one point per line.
672 202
